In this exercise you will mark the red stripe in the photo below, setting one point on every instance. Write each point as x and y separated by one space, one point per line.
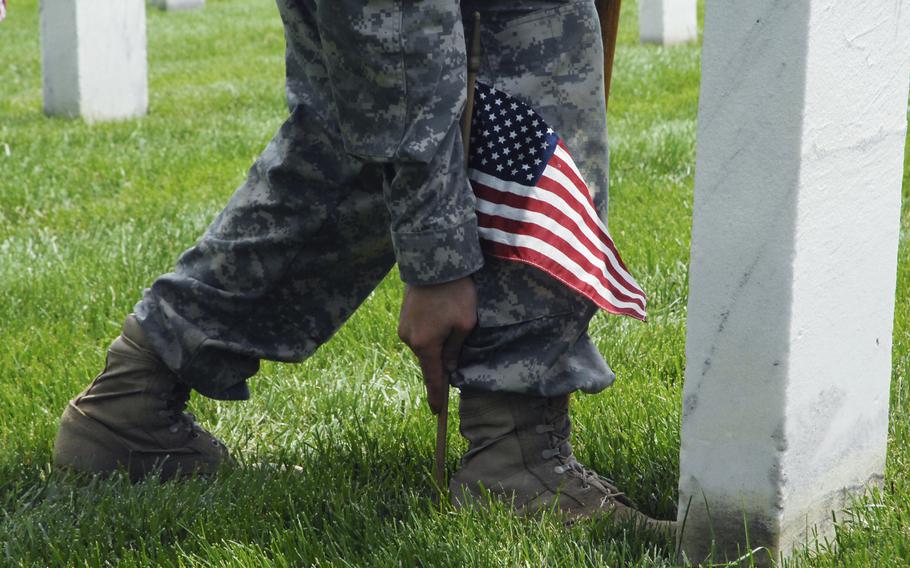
534 258
567 170
534 230
528 203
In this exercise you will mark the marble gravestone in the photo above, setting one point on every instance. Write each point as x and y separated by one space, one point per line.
801 128
667 22
94 58
175 5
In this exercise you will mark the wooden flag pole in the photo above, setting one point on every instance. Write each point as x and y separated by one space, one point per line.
442 420
608 12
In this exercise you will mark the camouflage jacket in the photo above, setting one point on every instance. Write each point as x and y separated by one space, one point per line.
397 74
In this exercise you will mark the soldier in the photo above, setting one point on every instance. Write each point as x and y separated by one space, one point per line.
369 170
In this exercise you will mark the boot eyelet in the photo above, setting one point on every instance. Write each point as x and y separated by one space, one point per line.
195 435
215 443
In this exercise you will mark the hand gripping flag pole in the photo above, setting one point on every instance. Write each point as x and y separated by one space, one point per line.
442 421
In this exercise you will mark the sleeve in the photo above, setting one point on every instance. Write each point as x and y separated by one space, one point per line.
398 72
434 224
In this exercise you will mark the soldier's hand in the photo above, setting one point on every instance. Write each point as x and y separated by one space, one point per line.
434 322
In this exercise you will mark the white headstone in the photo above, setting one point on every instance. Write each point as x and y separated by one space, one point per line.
94 58
174 5
667 22
801 129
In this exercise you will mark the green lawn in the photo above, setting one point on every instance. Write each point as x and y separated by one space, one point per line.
89 215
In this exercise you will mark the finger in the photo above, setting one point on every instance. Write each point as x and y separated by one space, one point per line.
451 349
434 377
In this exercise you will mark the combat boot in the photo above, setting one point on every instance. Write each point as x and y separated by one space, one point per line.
132 418
519 451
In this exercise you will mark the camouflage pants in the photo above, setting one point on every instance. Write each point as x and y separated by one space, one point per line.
306 238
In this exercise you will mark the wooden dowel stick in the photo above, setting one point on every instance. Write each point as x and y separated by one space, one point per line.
442 420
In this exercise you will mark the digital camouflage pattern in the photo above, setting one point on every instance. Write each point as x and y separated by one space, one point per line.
369 170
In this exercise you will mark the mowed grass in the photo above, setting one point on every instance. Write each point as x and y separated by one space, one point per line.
90 214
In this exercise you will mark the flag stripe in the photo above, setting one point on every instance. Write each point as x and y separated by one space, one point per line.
543 234
572 178
568 266
505 250
556 196
545 217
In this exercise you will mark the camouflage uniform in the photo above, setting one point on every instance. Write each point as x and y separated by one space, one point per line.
369 170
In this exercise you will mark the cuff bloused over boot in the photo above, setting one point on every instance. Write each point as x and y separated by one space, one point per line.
519 451
132 418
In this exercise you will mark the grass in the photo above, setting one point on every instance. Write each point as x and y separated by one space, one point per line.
90 214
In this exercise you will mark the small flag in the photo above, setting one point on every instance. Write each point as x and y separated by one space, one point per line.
534 207
2 10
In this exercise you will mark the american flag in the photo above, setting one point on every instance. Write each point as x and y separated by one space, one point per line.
534 207
2 10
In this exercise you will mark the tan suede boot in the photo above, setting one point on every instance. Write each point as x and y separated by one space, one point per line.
519 451
131 417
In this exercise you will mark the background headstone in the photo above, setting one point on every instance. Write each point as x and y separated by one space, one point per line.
94 58
801 129
174 5
667 22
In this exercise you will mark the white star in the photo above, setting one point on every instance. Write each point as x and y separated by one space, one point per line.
483 96
524 129
495 155
535 124
537 161
483 162
530 177
545 145
496 128
486 132
525 167
506 150
489 145
549 131
518 145
498 102
519 118
514 106
510 162
502 139
538 133
503 112
499 168
488 108
512 134
508 122
514 172
530 112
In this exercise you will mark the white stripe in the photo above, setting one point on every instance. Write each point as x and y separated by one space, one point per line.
560 231
567 158
560 178
557 256
560 204
581 194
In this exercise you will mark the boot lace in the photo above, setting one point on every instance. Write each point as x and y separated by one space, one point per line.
558 426
175 404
